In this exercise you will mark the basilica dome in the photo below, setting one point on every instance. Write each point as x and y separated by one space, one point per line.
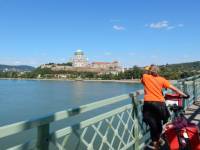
79 52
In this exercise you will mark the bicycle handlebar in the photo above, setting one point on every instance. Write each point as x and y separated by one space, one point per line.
186 97
168 96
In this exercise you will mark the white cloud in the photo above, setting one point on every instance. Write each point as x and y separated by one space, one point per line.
118 27
159 25
163 25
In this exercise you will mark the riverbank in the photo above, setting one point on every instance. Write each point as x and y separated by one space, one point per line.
81 80
118 81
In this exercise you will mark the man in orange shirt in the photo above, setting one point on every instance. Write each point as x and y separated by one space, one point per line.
154 108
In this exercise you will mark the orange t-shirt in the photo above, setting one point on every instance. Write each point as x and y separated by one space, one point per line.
153 87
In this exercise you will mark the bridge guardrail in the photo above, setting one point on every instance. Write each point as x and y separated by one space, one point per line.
120 123
119 128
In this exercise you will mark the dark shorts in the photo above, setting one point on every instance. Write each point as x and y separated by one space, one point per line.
155 114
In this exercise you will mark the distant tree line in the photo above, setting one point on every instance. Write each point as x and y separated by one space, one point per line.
173 72
63 64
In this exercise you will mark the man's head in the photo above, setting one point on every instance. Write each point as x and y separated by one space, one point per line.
154 69
146 70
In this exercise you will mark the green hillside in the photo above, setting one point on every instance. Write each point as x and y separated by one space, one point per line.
190 66
16 68
170 71
181 70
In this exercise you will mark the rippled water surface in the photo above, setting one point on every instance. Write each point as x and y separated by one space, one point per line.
27 99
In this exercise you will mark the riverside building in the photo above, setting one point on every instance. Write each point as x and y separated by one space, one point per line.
111 67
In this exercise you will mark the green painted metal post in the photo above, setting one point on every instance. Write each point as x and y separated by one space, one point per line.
185 91
194 90
198 89
136 125
42 137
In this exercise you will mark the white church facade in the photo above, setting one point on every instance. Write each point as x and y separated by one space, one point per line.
79 59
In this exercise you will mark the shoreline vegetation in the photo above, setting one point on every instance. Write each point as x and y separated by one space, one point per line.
169 71
134 81
84 80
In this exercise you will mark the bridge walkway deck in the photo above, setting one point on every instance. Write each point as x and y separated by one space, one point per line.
193 113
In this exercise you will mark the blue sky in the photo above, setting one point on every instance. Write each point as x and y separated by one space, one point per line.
135 32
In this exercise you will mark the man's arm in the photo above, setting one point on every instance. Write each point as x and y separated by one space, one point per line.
177 90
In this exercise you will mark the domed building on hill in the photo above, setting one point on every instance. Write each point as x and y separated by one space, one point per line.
79 59
79 63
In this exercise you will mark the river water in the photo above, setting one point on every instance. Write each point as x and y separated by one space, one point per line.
29 99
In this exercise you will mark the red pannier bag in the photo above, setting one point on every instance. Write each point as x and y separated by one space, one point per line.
172 139
174 136
193 134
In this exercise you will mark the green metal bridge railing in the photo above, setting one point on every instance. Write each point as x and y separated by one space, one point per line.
118 127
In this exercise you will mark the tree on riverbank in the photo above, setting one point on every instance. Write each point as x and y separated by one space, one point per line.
174 72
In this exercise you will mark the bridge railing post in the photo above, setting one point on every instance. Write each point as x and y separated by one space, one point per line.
136 121
42 137
184 86
197 89
194 90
